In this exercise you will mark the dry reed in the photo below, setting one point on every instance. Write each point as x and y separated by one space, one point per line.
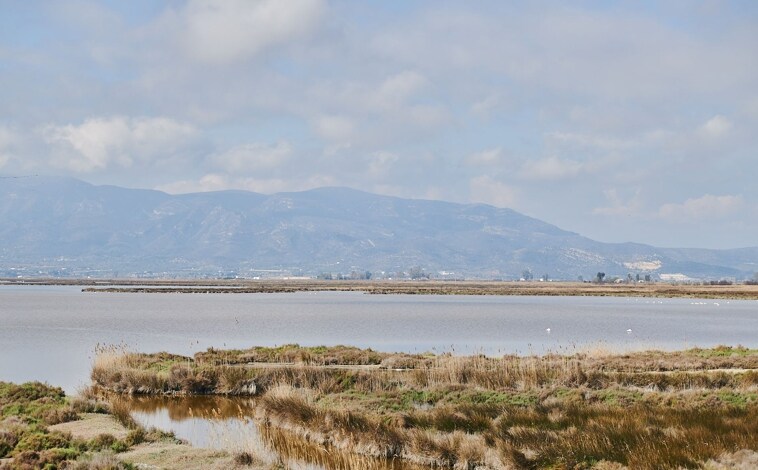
642 410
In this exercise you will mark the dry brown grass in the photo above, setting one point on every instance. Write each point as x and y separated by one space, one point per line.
163 373
642 410
292 354
563 434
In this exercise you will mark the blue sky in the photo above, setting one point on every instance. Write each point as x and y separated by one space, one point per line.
623 121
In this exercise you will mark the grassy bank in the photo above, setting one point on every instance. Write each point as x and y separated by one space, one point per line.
641 410
28 414
40 427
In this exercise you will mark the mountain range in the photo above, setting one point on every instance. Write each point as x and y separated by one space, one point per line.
67 227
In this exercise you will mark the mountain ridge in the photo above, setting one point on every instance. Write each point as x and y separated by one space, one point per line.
65 226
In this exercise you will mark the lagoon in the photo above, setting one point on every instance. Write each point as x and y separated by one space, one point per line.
50 333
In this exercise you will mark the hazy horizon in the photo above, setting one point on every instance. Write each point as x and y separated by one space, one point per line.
361 190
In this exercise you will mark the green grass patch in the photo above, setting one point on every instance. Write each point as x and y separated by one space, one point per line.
618 397
737 399
723 351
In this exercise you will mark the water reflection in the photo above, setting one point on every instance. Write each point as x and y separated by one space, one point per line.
183 408
228 424
206 422
299 454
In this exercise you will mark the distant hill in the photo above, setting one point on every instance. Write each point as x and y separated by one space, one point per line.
64 226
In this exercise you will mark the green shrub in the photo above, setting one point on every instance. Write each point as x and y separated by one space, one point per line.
100 442
8 441
37 441
59 415
119 446
135 437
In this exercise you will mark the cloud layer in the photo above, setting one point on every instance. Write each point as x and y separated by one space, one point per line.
117 141
627 122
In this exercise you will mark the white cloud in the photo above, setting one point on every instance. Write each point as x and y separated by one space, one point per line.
617 206
221 182
253 157
707 206
550 168
369 114
589 141
7 139
490 191
225 31
334 149
750 106
334 127
716 127
425 116
395 90
485 157
100 143
483 107
381 162
209 182
96 143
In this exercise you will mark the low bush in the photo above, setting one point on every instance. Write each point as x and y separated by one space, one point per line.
37 441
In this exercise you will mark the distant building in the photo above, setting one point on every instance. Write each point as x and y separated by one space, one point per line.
676 277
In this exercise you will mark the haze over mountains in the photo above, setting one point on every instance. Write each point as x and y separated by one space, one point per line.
64 226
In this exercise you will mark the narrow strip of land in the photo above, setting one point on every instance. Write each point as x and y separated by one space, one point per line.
424 287
653 290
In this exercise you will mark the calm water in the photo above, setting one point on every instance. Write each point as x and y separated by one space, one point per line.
226 423
49 333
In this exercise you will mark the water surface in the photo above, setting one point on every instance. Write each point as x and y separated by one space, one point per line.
228 424
49 333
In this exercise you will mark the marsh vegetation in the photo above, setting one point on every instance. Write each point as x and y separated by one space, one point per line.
641 410
29 415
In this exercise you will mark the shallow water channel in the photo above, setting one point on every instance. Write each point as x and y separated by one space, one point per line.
229 424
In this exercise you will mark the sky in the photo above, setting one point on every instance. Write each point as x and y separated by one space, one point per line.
622 121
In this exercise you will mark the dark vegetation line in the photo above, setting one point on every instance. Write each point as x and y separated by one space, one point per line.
429 287
744 292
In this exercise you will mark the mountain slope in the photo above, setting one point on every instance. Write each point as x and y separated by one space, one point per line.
56 223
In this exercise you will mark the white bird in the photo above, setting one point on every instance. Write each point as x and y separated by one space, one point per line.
548 330
629 330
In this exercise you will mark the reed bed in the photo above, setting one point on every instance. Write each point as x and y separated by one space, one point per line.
223 373
641 410
552 432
